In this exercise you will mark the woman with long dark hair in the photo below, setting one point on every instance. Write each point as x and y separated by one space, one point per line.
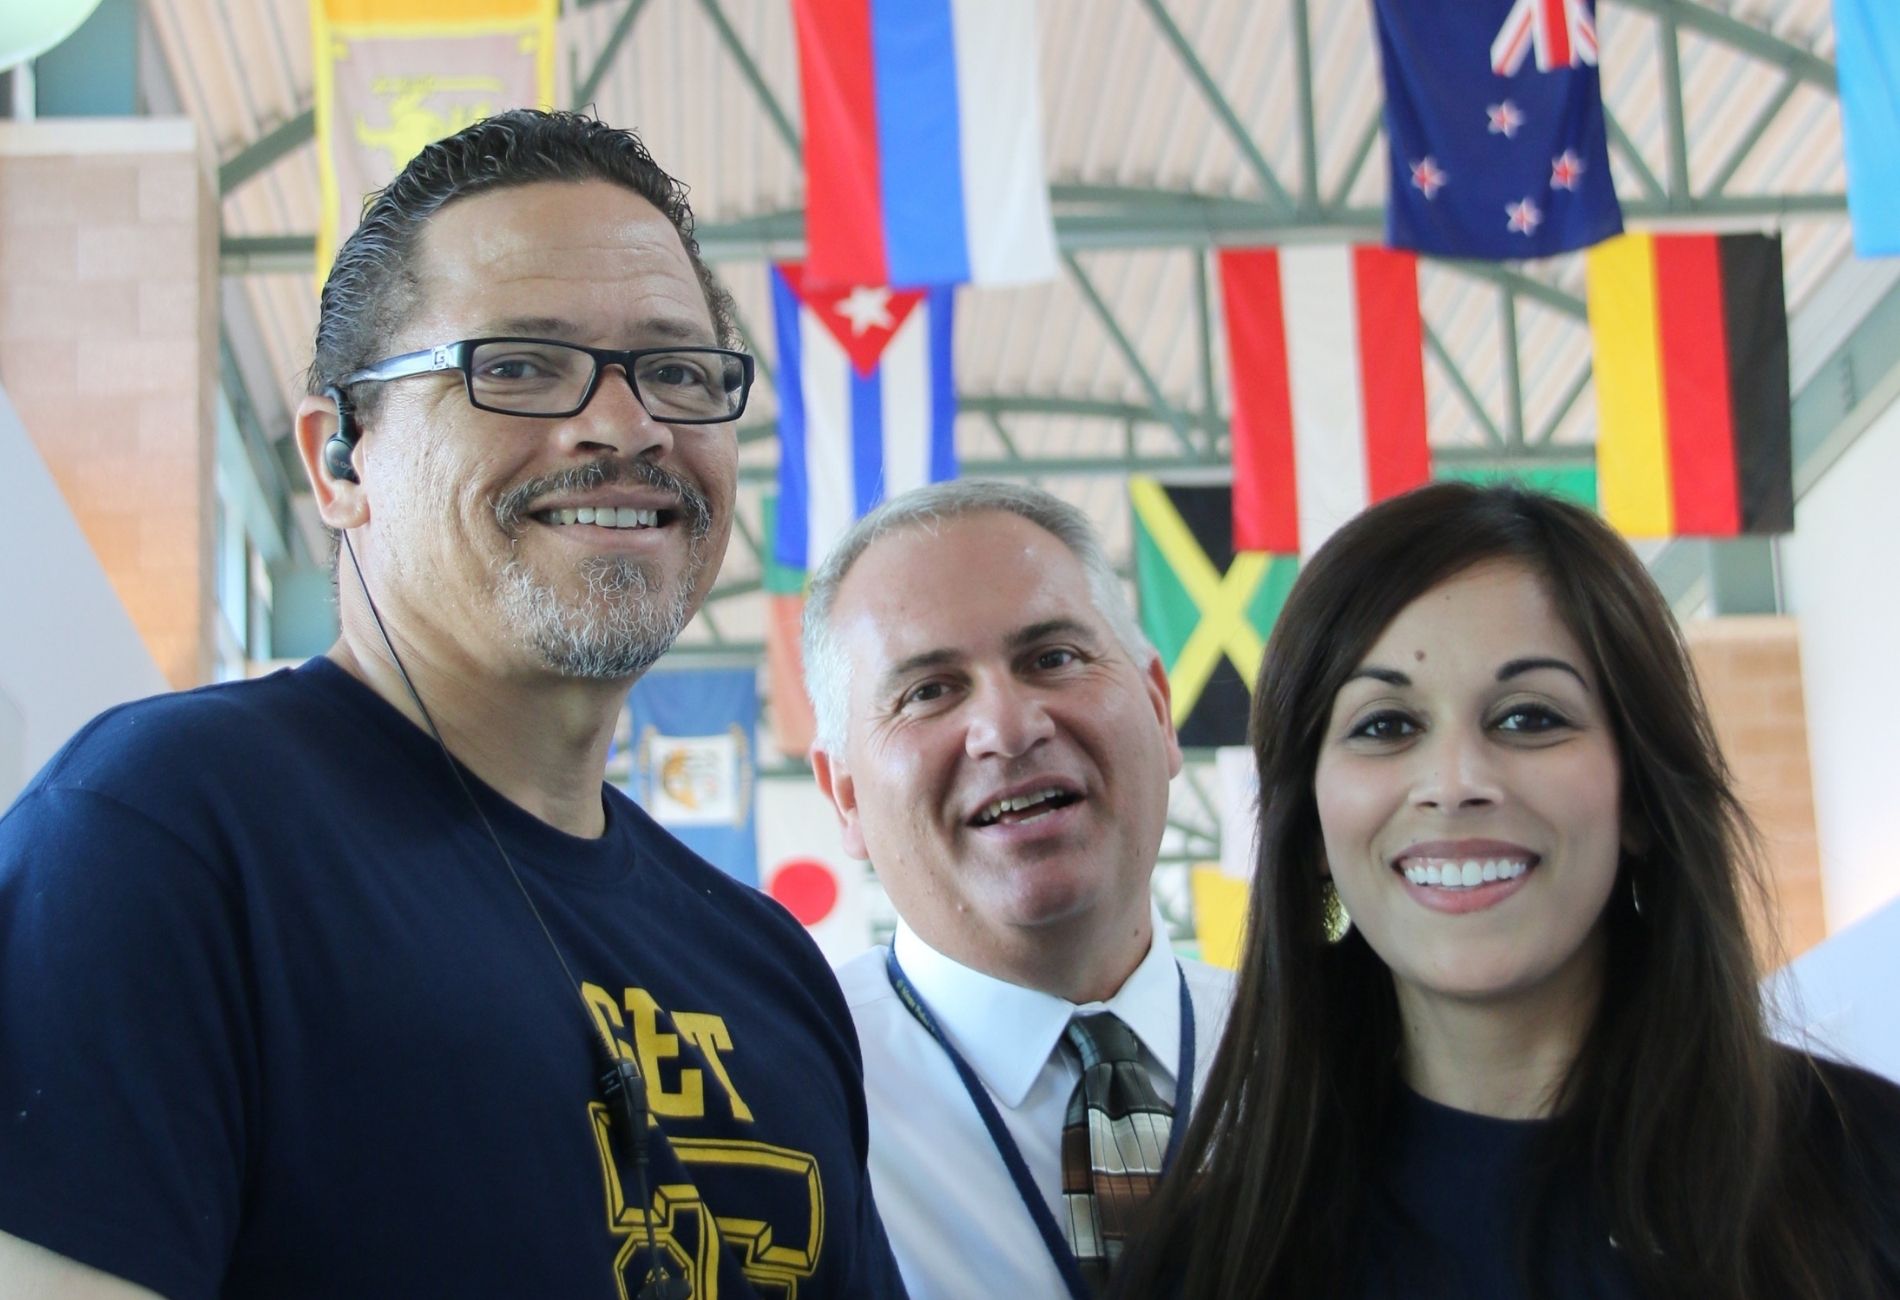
1535 1061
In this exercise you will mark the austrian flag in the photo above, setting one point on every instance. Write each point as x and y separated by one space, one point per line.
1326 352
867 404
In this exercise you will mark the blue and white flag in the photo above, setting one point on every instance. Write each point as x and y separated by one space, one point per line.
1867 56
686 750
867 404
1494 122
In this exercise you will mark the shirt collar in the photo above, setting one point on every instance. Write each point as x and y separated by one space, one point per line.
1007 1032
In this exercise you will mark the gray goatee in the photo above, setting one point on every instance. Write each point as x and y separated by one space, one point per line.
625 621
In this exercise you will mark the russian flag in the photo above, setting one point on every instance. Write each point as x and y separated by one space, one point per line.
867 404
1326 358
923 142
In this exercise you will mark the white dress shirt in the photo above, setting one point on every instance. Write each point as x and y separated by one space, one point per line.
955 1219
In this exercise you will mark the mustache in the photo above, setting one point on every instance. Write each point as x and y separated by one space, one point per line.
514 506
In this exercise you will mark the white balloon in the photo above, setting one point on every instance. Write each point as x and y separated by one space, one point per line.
29 28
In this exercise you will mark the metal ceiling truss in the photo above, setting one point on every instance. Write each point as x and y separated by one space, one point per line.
1090 218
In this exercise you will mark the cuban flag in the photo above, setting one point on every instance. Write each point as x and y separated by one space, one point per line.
867 404
923 143
1494 120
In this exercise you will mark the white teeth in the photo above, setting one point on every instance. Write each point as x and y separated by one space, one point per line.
1016 804
607 517
1463 875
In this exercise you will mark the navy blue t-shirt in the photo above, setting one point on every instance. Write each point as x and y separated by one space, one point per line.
275 1021
1446 1216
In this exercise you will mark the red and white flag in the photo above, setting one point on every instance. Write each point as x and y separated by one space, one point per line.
1326 363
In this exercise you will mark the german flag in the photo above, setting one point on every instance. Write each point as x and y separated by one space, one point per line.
1693 414
1206 608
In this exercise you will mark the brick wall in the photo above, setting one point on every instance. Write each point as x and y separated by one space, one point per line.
1750 670
109 349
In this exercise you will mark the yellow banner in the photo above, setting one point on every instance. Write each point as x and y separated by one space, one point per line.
394 75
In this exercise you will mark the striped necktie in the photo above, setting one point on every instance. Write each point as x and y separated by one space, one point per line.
1113 1139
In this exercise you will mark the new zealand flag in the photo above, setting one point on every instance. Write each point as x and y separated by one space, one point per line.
1494 120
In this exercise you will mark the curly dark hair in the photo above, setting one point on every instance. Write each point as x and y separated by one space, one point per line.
372 285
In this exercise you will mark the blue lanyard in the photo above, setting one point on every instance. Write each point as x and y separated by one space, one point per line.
1052 1238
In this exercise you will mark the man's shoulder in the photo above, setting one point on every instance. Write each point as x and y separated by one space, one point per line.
165 742
865 979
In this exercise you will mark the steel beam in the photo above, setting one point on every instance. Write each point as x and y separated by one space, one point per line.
1504 276
1633 156
260 154
1303 74
603 62
1174 221
1752 136
1010 450
1435 347
1204 331
1569 399
1236 130
1126 347
1360 152
1669 47
1513 377
1805 64
750 71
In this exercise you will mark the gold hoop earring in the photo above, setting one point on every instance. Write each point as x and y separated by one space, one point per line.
1333 917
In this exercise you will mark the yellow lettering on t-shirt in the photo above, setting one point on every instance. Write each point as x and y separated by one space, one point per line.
709 1034
687 1100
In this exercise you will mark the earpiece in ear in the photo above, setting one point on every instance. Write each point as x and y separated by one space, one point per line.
337 450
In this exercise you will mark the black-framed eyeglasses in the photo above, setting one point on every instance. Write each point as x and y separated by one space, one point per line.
549 379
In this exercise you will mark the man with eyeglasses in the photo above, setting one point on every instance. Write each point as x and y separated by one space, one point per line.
356 980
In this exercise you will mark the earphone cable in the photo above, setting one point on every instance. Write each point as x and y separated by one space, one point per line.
623 1077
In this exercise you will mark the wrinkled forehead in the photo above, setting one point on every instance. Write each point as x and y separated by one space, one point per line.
969 586
557 248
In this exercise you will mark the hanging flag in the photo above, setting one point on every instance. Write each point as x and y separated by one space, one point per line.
803 865
793 725
1207 608
1220 915
1867 59
395 75
1494 123
923 143
867 404
1694 419
685 751
1326 356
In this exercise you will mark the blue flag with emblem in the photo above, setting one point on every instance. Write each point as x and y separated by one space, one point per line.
1494 122
685 749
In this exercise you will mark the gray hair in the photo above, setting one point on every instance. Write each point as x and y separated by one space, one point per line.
828 667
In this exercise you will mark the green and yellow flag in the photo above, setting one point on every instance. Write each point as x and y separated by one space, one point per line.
1207 609
394 75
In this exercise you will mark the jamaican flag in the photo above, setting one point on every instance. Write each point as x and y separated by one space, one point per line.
1207 609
